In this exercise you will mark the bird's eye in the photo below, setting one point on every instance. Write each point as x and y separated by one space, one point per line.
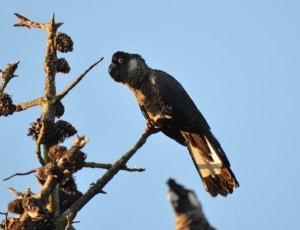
120 60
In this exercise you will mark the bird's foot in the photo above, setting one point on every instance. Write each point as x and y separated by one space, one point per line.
152 127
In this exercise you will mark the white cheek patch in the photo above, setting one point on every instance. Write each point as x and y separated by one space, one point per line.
172 196
132 65
193 199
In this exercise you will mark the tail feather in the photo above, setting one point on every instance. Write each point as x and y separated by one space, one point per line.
212 165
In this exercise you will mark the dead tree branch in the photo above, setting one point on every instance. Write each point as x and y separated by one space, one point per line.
25 22
86 165
108 166
20 195
19 174
100 183
29 104
7 75
68 89
60 96
15 192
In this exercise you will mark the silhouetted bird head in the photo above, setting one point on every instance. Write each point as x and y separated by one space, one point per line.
181 198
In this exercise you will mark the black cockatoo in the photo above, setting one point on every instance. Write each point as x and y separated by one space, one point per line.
168 108
188 210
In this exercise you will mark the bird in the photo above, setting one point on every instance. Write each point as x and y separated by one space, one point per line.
168 108
187 208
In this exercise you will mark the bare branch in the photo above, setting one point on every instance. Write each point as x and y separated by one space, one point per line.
68 89
38 101
19 174
29 104
108 166
38 145
8 74
15 192
25 22
28 23
100 183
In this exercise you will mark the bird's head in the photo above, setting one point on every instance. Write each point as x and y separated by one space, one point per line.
127 68
182 199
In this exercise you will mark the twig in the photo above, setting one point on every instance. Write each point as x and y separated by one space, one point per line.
15 192
108 166
38 101
100 183
20 174
8 74
74 83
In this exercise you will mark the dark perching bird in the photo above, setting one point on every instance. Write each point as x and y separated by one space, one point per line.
168 108
187 208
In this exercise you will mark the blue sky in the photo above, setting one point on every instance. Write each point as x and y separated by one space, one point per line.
239 61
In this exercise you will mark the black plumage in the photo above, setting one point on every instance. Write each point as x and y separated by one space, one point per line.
187 208
168 108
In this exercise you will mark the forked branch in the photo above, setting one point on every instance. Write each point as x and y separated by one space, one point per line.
100 183
7 75
25 22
